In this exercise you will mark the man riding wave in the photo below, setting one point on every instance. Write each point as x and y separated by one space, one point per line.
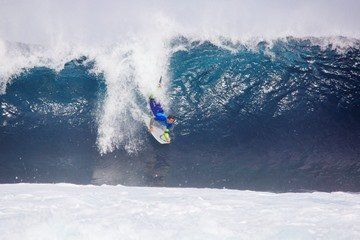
161 117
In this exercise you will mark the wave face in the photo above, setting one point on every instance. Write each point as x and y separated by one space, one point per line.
279 116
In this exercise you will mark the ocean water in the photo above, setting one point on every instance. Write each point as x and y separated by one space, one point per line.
276 109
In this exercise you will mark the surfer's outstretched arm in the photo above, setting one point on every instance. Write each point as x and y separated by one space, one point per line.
151 124
160 82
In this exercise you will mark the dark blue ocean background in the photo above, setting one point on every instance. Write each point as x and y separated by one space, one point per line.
280 117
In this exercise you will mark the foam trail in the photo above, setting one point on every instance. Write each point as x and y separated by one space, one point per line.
129 68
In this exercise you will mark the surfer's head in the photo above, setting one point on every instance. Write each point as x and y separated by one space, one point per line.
170 119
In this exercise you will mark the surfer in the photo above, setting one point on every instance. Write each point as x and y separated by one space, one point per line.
161 117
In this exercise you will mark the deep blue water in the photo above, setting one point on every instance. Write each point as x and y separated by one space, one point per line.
279 118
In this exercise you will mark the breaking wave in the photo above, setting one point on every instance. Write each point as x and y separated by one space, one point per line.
275 111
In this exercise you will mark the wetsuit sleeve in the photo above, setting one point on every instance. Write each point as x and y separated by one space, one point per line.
160 117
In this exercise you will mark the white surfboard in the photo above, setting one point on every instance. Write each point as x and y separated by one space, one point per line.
158 130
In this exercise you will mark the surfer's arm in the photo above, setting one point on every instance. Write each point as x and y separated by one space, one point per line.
151 124
160 117
160 82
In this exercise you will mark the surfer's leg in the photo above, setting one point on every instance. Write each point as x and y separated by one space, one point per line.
155 107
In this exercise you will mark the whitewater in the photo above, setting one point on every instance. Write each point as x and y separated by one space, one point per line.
65 211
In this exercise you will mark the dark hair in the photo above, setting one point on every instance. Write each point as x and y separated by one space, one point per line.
171 117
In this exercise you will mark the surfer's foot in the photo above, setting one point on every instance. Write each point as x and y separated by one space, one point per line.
151 97
151 129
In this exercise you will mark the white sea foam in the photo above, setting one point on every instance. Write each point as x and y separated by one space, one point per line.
129 42
64 211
